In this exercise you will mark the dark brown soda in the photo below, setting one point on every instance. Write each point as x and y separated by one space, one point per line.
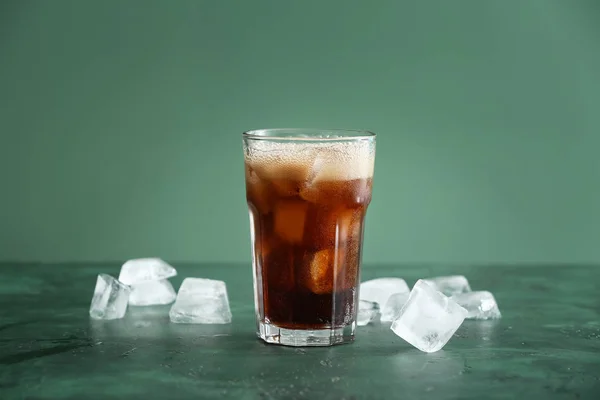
307 247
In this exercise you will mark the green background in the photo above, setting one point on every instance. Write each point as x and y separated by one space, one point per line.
121 123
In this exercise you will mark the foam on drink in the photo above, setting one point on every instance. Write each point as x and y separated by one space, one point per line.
333 161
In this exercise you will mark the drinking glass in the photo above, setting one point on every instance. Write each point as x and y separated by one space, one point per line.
307 191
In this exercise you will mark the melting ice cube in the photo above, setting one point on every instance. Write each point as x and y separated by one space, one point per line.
450 285
152 293
379 290
145 269
110 298
394 305
201 301
428 319
480 304
367 312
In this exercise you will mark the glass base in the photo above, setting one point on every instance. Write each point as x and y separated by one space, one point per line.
305 337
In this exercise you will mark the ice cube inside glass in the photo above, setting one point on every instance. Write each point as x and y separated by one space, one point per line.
307 193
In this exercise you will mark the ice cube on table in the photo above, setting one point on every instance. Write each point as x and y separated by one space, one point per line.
201 301
152 293
367 312
450 285
145 269
479 304
394 305
428 319
110 298
379 290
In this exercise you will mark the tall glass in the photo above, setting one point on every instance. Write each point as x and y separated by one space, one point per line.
308 191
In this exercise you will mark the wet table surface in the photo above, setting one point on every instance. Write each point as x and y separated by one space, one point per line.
546 346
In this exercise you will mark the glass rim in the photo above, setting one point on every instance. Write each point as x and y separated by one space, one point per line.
309 134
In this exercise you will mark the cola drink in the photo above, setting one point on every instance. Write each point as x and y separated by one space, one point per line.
307 204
